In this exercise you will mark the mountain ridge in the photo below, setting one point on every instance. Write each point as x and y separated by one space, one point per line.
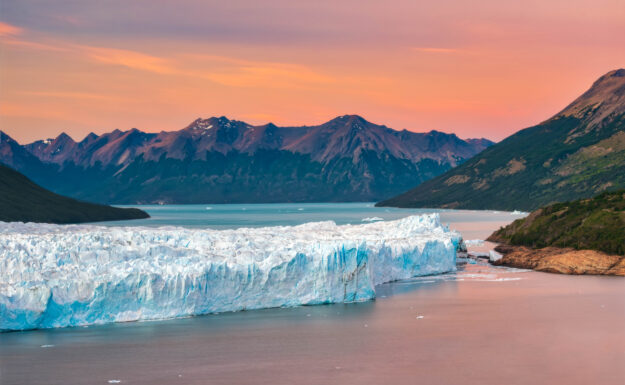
577 153
243 137
344 159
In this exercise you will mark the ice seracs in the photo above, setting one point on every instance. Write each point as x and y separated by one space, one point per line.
55 276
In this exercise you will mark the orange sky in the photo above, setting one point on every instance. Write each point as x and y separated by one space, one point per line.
476 68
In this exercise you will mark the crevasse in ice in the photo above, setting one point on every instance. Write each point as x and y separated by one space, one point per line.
56 276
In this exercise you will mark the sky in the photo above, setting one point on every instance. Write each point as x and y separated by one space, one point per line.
481 68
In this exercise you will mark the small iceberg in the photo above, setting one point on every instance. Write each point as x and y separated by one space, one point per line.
372 219
494 256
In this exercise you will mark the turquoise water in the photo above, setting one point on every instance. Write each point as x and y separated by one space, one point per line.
288 214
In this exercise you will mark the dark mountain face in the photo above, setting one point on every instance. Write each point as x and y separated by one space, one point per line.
221 160
21 200
576 154
19 157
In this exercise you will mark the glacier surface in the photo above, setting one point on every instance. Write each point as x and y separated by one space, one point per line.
56 276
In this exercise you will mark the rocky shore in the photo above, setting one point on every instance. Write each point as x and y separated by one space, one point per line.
561 260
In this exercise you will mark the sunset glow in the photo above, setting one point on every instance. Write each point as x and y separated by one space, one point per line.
483 69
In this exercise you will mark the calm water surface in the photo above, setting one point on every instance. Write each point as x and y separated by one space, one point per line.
481 325
472 224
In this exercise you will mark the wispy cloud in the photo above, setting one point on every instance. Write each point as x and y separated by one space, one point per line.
70 95
228 71
9 30
128 58
436 50
223 70
20 43
238 72
12 35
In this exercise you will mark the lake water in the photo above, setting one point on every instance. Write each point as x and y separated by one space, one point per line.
471 223
481 325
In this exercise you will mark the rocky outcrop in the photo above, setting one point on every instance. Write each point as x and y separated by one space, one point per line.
561 260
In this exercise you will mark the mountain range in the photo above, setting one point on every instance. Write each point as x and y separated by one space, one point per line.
218 160
578 153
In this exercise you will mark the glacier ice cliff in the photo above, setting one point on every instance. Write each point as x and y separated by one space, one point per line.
56 276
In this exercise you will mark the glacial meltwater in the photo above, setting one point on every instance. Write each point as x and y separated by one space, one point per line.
479 325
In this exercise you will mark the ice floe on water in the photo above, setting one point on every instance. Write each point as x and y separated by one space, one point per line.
372 219
55 276
471 270
494 256
474 242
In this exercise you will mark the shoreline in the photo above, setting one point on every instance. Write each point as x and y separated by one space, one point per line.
561 260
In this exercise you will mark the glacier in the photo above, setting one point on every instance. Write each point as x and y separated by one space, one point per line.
71 275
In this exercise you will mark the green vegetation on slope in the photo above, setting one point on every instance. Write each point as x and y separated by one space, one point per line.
23 201
533 168
594 224
267 176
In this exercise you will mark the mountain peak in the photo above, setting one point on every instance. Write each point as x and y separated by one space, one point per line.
349 119
63 137
207 124
605 97
618 73
91 136
200 124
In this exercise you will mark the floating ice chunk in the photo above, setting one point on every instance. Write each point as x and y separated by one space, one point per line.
494 256
474 242
56 276
372 219
517 212
114 381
